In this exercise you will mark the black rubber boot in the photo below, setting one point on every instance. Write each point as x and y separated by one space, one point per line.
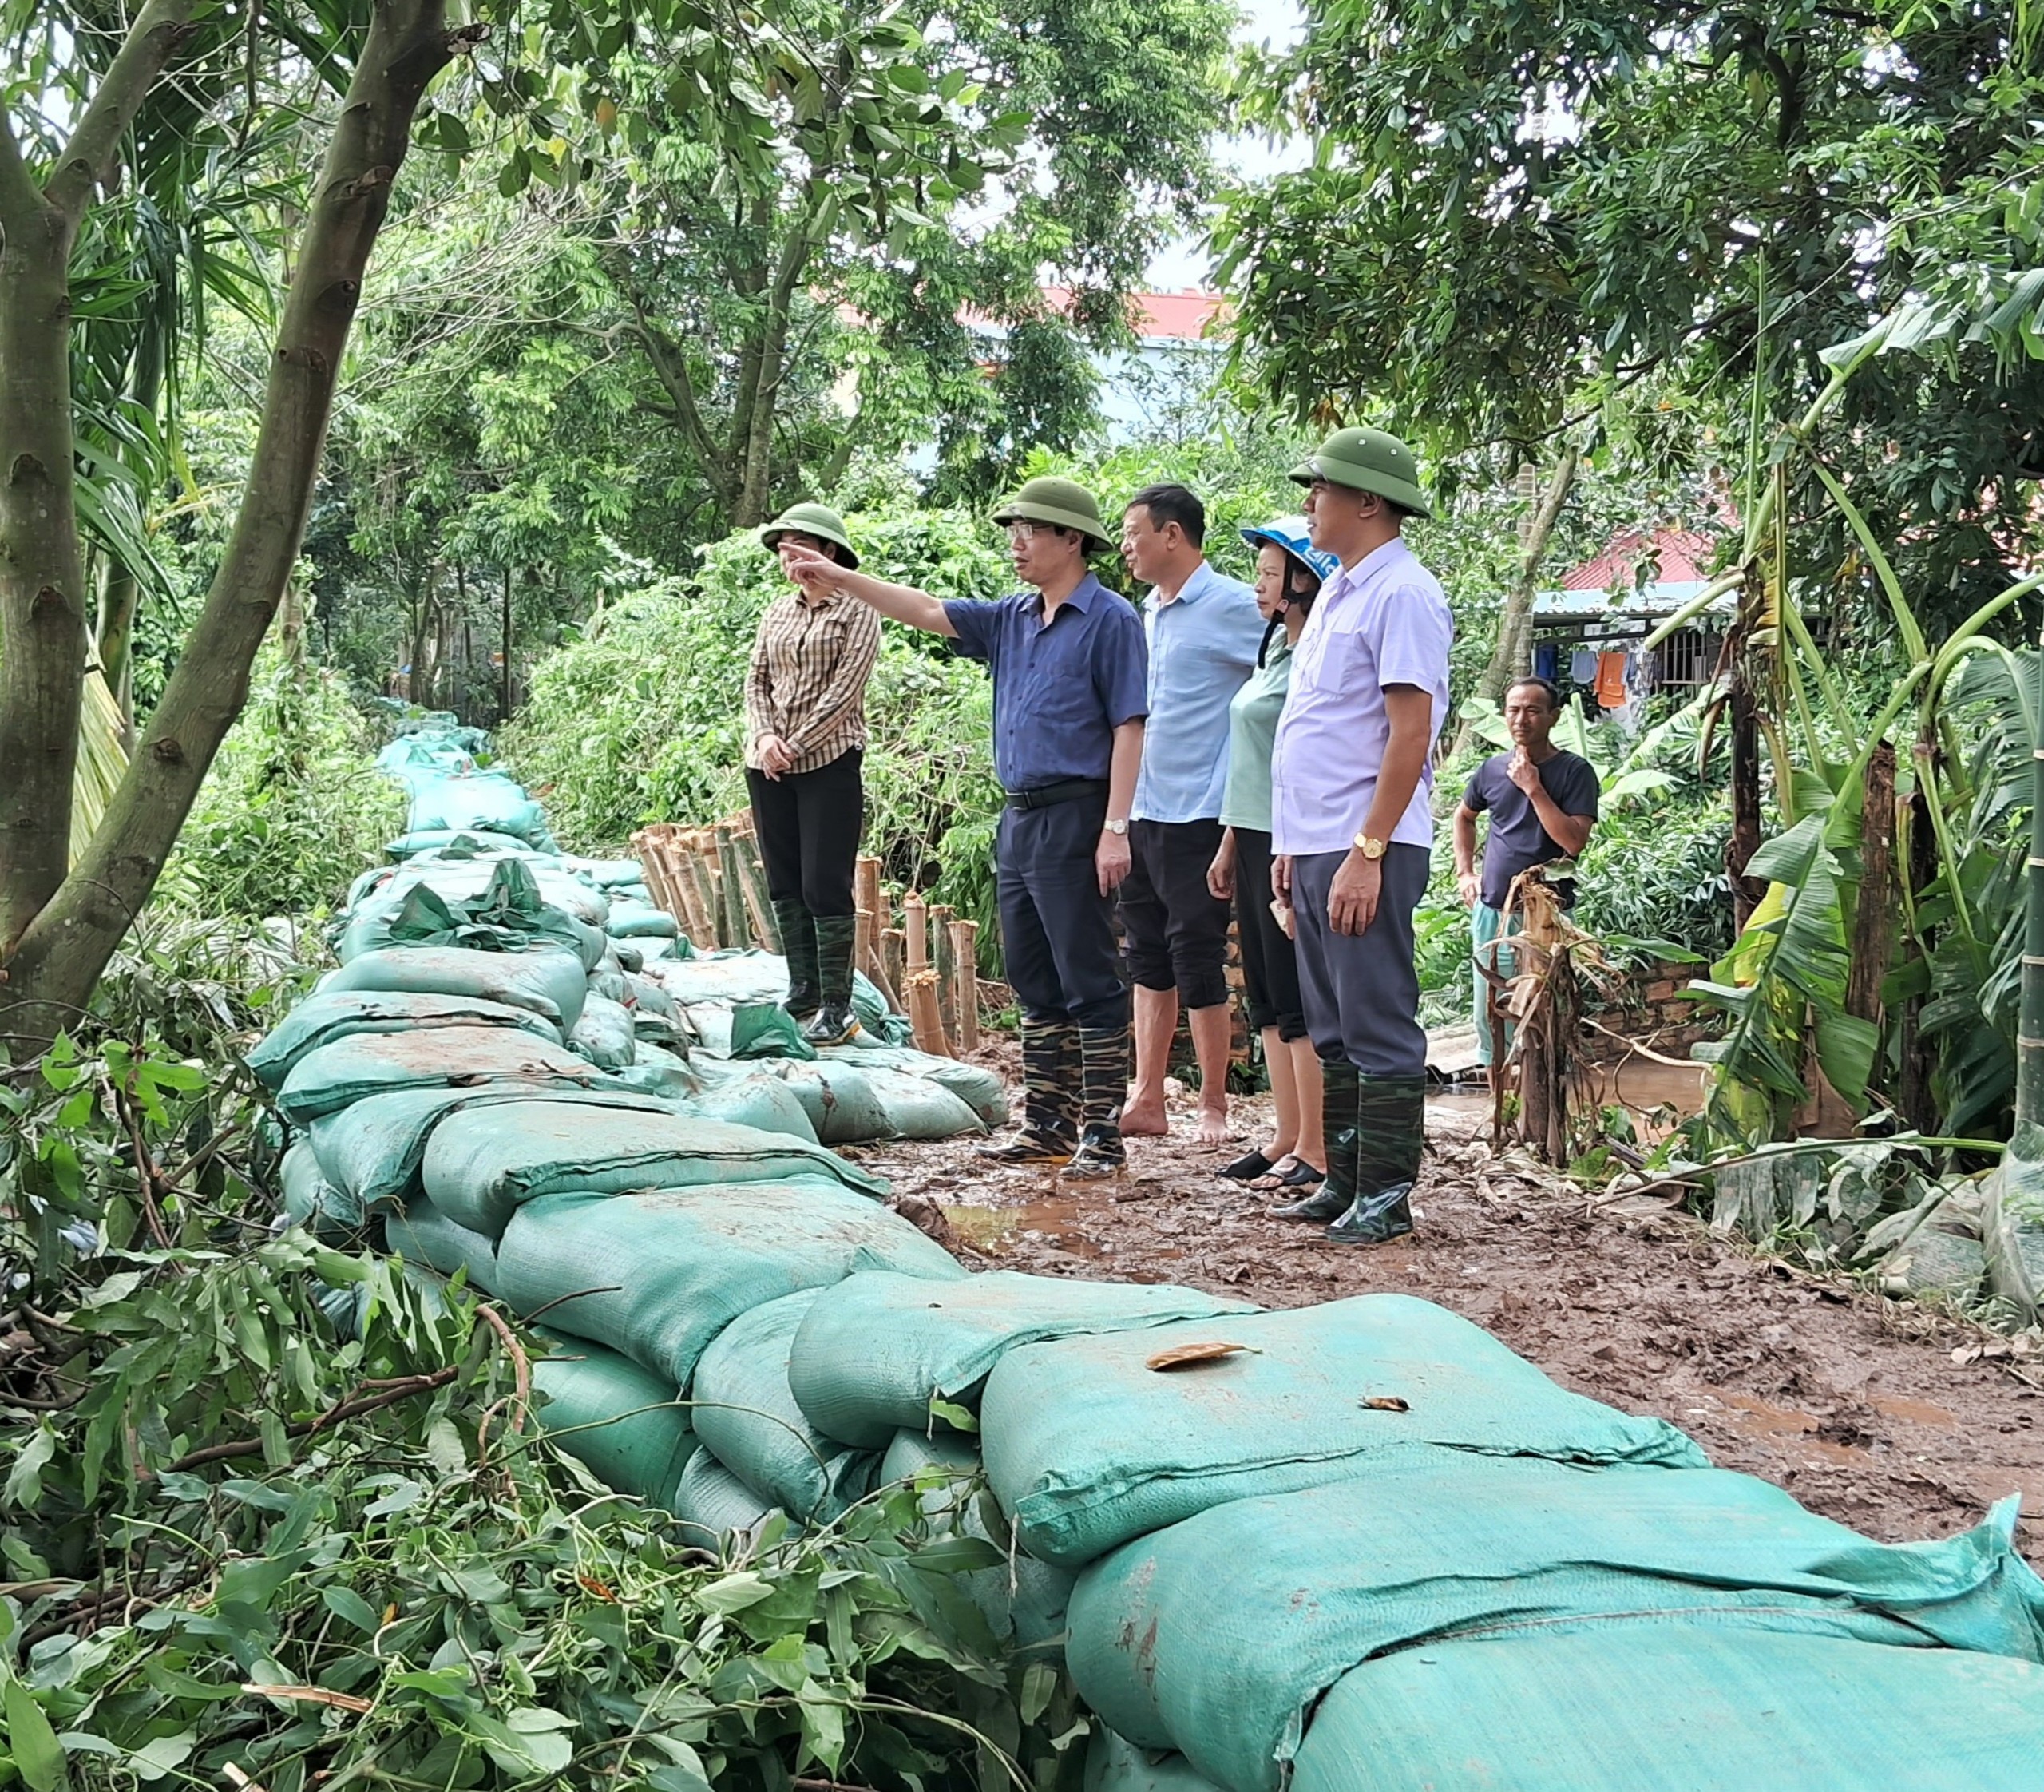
837 935
1391 1132
1103 1082
798 942
1336 1195
1049 1132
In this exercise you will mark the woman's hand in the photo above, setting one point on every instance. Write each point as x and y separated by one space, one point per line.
776 756
1221 873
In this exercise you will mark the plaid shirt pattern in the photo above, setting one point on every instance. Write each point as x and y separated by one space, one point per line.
807 680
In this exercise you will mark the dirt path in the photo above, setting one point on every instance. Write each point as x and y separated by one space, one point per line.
1854 1403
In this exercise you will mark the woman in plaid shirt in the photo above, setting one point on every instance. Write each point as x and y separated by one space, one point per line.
804 713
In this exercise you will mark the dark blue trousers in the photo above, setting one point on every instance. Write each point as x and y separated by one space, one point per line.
1057 930
1361 991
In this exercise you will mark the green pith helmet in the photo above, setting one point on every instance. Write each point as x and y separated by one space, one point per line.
1367 461
817 520
1062 501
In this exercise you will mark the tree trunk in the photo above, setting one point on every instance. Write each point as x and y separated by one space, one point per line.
1745 707
2028 1143
60 957
44 611
1873 915
504 706
1512 657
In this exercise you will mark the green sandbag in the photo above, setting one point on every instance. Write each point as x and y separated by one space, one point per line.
607 980
878 1350
372 1150
748 1095
746 974
1087 1447
604 1035
339 1075
330 1215
424 1235
680 1264
640 921
608 874
624 1426
1022 1599
747 1418
1216 1636
437 839
765 1029
1655 1708
339 1013
649 995
838 1099
485 799
510 912
654 1071
919 1107
1114 1764
712 1504
480 1167
546 980
980 1089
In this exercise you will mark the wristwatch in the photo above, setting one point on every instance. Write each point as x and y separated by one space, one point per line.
1115 826
1370 845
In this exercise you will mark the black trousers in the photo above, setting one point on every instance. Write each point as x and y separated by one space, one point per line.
1057 930
808 825
1361 991
1177 929
1270 961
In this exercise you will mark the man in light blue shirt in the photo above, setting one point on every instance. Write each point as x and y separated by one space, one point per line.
1203 631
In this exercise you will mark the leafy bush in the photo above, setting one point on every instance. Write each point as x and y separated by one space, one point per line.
294 807
1659 874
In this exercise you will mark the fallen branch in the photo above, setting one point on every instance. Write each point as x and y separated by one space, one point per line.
521 1366
349 1409
312 1696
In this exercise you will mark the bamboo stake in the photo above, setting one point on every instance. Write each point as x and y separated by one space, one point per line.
924 1021
916 928
943 961
738 928
862 948
865 887
702 874
752 878
891 968
965 970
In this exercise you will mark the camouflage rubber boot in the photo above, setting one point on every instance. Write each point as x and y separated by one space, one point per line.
1049 1132
836 936
798 942
1103 1083
1339 1082
1391 1129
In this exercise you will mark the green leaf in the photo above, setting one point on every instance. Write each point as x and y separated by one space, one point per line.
734 1593
38 1755
346 1604
955 1416
957 1556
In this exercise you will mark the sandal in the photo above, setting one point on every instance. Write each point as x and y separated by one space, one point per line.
1275 1179
1301 1174
1248 1168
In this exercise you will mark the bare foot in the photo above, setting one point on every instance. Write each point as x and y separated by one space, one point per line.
1213 1126
1143 1117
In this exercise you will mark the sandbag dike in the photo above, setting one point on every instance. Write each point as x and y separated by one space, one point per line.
1356 1545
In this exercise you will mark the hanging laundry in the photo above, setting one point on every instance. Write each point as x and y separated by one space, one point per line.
1611 680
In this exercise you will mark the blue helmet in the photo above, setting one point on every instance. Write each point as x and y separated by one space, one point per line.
1289 533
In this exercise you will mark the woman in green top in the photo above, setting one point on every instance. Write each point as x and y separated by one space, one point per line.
1289 571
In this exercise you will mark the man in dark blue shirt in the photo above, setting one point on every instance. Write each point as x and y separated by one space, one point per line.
1542 804
1070 694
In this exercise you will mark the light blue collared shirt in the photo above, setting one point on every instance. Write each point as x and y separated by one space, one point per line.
1202 646
1384 621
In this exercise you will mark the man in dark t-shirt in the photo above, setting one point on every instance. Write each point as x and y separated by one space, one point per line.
1542 803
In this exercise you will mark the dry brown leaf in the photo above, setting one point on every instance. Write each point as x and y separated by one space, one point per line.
1387 1403
313 1696
1183 1356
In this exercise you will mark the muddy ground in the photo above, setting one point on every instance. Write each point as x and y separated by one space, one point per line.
1874 1412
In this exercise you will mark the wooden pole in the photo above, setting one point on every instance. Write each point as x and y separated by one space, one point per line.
738 929
942 953
866 886
863 947
752 877
702 874
965 969
891 968
924 1021
916 929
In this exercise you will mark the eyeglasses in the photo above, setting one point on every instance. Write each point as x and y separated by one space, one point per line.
1021 532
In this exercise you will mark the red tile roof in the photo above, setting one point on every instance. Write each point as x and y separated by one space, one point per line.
1685 557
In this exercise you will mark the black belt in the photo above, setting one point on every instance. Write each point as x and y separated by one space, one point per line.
1066 789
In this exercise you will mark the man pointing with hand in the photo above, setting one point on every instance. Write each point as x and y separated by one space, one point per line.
1070 672
1351 775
